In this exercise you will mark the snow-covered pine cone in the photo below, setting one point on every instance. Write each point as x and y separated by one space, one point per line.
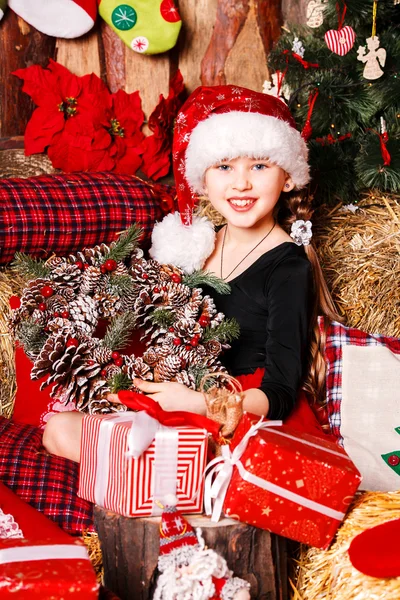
102 406
51 351
84 313
89 280
166 271
54 261
145 272
192 308
102 355
57 303
107 304
150 357
31 296
186 379
176 294
213 347
137 367
67 293
67 274
40 317
187 328
167 368
121 269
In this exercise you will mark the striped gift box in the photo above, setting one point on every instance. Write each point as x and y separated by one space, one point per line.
111 478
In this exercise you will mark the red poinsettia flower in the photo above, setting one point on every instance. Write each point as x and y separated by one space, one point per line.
60 97
157 147
124 121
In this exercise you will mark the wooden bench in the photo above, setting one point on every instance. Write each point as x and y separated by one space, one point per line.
130 550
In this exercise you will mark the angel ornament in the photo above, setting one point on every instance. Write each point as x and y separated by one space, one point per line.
315 13
374 59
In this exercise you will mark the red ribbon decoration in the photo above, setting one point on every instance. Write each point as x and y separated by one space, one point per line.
341 18
329 139
304 63
383 140
174 418
307 129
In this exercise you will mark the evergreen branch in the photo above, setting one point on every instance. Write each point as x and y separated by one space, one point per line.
27 266
118 382
200 278
199 372
125 244
121 284
227 331
162 317
31 336
119 330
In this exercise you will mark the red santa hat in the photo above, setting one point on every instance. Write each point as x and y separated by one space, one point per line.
222 123
178 541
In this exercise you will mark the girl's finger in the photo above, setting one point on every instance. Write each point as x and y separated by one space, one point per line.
147 386
113 398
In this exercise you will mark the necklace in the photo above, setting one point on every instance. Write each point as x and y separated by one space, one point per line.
252 250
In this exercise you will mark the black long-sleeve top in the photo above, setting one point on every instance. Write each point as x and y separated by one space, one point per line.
271 301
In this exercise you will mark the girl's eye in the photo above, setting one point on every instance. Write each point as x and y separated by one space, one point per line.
223 167
260 167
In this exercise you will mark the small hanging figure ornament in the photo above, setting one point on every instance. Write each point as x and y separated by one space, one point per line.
374 59
276 88
315 13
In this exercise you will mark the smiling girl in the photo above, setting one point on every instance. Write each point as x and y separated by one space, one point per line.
242 150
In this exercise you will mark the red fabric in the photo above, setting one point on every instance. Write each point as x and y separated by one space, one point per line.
48 483
302 418
204 102
59 214
375 551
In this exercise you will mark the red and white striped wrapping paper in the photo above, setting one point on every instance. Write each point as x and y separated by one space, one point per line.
128 483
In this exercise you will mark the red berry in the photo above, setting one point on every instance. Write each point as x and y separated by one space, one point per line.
156 290
194 341
80 265
103 269
86 266
115 355
119 362
42 306
15 302
145 276
393 460
46 329
56 315
103 373
204 321
47 291
164 288
110 264
65 314
171 329
91 362
176 278
72 342
176 341
187 347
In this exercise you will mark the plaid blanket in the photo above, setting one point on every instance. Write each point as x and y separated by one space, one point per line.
48 483
63 213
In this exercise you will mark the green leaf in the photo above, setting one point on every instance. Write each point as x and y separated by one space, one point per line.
119 381
125 244
27 266
200 278
119 331
227 331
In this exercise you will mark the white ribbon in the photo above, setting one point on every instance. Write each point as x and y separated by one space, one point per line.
46 552
223 466
144 429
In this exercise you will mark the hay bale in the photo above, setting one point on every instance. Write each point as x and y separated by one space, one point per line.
329 574
360 257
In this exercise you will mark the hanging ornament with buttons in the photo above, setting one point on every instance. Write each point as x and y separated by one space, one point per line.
340 40
315 13
392 459
375 58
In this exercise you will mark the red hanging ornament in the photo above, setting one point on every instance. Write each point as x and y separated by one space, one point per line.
15 302
340 40
307 129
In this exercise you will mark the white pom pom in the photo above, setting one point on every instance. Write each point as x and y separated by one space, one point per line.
185 247
170 500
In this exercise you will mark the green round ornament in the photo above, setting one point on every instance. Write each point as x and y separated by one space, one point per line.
124 17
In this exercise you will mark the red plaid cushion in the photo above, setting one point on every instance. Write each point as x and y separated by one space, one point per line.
48 483
63 213
337 336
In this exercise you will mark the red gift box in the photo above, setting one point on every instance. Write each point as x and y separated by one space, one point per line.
130 482
296 485
47 563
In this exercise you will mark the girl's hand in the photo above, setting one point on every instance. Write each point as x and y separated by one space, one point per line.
170 395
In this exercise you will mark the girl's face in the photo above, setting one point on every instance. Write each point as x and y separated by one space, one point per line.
245 190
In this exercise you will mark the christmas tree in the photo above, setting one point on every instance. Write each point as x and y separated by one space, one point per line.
340 76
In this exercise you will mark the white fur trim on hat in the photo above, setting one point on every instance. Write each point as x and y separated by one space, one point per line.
224 136
180 245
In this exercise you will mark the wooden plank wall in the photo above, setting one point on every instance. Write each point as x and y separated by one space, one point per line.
221 41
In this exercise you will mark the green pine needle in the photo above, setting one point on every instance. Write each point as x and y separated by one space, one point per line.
119 331
27 266
31 336
121 284
125 244
200 278
227 331
119 382
199 372
162 317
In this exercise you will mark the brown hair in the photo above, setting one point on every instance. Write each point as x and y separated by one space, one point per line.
291 207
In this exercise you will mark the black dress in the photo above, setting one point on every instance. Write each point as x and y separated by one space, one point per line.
271 300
